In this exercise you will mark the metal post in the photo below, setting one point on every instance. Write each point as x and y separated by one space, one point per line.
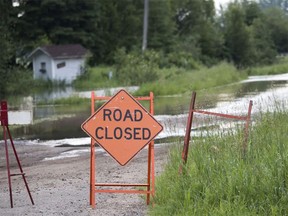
145 25
245 143
188 129
151 165
8 166
92 161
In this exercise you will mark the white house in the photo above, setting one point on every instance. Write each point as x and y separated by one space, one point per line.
58 62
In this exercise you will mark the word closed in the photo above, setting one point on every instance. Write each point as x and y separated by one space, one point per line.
127 133
122 126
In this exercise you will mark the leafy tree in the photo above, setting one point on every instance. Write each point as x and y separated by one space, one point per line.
277 23
7 60
135 68
196 28
283 4
265 50
57 21
161 26
238 38
252 11
120 25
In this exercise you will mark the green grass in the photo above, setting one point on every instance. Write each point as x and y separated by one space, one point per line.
73 100
178 81
95 78
279 67
219 181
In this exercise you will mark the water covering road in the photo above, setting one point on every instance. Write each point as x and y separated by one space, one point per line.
60 126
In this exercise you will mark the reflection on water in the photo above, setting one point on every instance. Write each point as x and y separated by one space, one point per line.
59 122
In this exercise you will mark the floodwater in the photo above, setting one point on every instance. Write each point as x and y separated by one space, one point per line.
61 125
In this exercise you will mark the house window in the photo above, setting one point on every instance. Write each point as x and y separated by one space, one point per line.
43 67
61 65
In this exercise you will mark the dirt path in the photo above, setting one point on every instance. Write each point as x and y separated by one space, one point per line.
61 187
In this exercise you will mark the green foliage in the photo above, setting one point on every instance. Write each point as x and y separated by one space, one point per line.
237 36
161 26
71 101
264 48
119 25
96 77
280 4
277 24
281 66
217 180
28 85
178 81
7 46
135 68
183 60
73 21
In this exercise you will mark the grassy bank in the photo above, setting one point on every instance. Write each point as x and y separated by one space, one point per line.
178 81
171 81
281 66
95 78
219 181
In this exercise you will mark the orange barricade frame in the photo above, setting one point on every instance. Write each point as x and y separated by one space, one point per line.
192 110
150 185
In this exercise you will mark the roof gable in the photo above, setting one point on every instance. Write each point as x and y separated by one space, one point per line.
62 51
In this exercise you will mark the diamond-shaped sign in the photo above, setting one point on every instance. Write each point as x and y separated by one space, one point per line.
122 127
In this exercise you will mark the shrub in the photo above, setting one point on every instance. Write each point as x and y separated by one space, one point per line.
135 68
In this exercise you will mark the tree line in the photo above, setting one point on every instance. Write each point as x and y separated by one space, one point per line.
246 33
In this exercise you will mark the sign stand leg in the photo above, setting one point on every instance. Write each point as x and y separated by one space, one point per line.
151 146
92 161
149 175
19 165
8 167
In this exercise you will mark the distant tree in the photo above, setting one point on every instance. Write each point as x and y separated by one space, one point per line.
283 4
264 47
161 31
237 36
277 24
196 28
7 47
252 11
119 25
57 21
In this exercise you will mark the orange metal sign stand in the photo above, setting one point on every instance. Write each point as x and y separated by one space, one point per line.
122 120
4 124
192 110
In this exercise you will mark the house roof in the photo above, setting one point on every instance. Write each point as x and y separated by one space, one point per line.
62 51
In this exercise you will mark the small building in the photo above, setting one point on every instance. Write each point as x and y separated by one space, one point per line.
58 62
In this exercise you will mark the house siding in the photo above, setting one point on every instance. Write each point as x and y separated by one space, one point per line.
37 60
69 72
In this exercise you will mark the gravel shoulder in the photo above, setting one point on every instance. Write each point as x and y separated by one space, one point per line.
61 187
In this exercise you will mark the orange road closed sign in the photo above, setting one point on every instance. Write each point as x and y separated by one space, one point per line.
122 127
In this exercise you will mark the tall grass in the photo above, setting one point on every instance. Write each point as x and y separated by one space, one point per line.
217 180
96 77
277 68
178 81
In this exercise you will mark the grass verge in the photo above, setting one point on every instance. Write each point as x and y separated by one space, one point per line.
281 66
219 181
178 81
